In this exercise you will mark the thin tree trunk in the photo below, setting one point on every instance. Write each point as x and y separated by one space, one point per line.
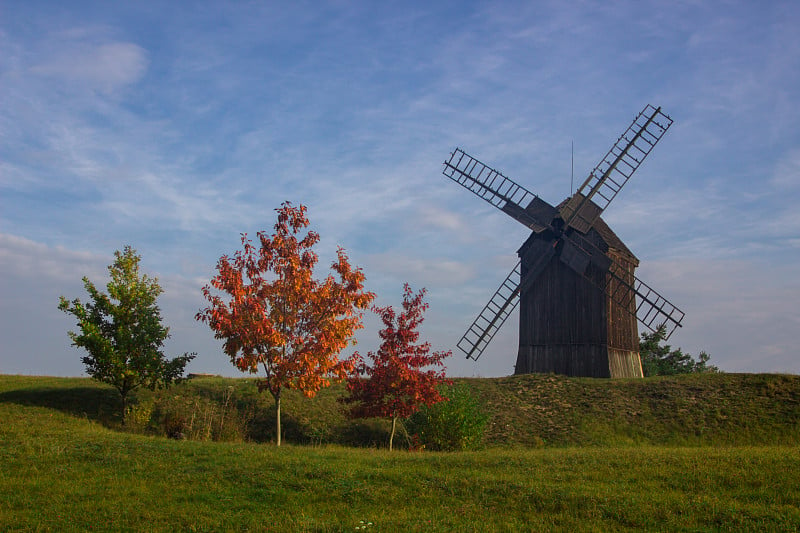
124 405
278 417
391 437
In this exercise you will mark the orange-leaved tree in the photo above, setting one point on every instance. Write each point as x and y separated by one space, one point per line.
280 319
396 385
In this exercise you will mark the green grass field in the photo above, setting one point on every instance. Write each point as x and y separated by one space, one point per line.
66 466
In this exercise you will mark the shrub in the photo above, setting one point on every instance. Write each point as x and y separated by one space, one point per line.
457 423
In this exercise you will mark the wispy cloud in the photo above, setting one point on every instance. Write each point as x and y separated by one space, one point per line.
24 258
33 277
104 67
787 171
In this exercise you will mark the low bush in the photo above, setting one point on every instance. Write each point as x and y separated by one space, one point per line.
457 423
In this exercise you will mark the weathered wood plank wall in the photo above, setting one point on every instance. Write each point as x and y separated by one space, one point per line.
569 326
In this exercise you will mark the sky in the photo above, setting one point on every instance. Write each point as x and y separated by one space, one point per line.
174 128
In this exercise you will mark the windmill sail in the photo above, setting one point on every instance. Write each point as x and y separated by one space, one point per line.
624 288
652 310
500 191
616 168
492 317
501 305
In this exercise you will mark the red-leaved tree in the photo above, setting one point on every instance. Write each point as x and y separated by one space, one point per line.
278 318
396 384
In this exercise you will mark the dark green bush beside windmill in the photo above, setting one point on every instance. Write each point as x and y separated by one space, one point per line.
662 360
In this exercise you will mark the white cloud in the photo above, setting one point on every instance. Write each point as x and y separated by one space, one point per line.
23 258
32 278
437 272
439 218
105 67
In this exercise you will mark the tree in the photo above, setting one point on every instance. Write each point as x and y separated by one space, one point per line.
658 360
278 317
396 385
122 330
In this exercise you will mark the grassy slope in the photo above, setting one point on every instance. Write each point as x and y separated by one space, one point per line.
731 409
61 470
527 411
550 410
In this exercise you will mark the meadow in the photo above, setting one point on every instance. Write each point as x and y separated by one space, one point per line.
66 465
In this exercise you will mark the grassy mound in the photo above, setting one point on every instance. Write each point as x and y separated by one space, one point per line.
698 409
524 411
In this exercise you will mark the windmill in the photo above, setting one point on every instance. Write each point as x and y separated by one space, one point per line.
580 299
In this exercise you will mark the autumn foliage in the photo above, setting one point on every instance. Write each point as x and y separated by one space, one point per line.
396 385
277 318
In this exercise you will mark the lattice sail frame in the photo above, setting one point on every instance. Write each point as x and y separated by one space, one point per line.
492 317
615 169
500 306
652 311
500 191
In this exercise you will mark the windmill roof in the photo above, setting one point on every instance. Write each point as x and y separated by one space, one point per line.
611 239
607 234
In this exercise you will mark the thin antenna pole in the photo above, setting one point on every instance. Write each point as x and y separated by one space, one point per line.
572 167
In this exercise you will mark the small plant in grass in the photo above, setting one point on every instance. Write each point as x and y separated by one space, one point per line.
457 423
138 417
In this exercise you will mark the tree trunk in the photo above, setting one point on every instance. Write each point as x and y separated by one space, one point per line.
124 396
391 436
278 417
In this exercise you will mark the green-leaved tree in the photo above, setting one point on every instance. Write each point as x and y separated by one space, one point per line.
122 330
662 360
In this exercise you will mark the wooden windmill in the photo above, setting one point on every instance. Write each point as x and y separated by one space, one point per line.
580 299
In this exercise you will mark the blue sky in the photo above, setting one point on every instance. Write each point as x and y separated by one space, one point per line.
174 129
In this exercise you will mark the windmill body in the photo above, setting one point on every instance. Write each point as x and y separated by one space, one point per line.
575 283
568 324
